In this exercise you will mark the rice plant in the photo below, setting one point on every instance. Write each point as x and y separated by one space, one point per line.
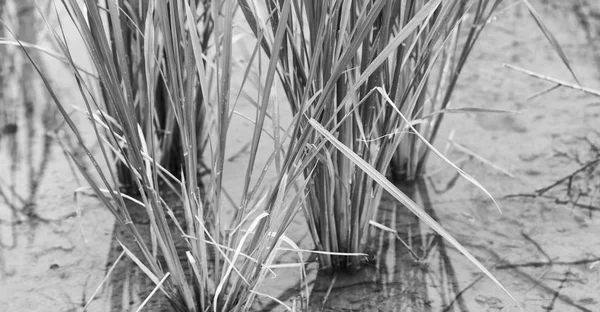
378 77
336 53
157 101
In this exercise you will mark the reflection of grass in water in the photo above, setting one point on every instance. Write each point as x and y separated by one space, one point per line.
27 116
396 279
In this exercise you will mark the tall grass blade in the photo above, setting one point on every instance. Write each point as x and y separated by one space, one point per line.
550 37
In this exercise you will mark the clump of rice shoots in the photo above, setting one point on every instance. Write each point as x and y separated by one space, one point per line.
334 56
443 50
157 74
379 75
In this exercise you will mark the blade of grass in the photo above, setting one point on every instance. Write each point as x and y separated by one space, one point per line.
577 87
106 276
158 286
433 149
550 37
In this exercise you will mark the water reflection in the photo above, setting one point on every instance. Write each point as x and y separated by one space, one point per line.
411 271
27 116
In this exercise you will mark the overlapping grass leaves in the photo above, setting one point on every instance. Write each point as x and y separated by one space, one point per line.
158 111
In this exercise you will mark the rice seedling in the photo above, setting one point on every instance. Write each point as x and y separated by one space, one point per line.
157 101
339 52
374 78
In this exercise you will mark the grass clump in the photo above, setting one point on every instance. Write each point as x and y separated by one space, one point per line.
378 76
164 70
362 70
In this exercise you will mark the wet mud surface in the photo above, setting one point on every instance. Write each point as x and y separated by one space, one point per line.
53 240
544 247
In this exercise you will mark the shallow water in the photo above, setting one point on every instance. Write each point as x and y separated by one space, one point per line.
544 250
518 250
53 249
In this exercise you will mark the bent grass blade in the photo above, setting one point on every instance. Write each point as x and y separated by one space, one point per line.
406 201
460 171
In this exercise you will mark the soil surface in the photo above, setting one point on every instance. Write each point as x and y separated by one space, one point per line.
541 165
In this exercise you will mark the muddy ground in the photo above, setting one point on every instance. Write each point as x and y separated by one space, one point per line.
544 246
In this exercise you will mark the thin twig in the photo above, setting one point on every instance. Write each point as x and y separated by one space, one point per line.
550 307
540 192
547 90
537 246
543 263
543 190
460 293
